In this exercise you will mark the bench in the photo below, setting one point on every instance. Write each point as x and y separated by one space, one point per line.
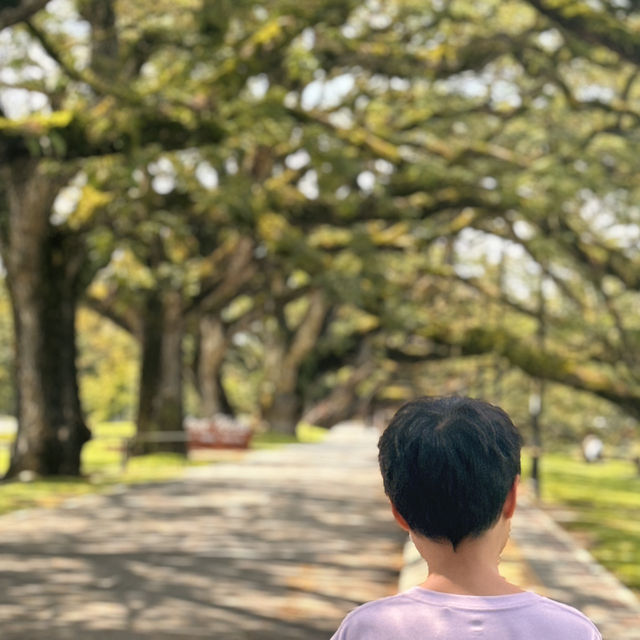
219 432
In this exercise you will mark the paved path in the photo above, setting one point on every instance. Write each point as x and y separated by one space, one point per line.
279 546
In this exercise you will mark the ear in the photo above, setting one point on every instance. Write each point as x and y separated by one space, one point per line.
512 498
399 519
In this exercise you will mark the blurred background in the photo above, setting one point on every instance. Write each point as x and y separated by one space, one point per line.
266 218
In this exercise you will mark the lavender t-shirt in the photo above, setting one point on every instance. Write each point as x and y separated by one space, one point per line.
420 614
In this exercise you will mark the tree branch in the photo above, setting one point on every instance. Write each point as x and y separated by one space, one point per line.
85 77
239 270
592 26
63 136
19 12
548 364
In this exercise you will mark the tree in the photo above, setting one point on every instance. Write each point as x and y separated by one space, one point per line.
44 289
494 133
45 265
351 151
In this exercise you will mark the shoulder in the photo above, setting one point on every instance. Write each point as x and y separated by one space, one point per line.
565 615
378 616
417 610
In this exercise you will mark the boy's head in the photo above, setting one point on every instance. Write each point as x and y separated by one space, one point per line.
448 464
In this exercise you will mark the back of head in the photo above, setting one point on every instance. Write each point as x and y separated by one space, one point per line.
448 464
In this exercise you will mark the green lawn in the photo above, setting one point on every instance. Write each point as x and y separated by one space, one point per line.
102 466
600 503
305 433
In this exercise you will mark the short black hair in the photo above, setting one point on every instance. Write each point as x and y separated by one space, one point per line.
448 464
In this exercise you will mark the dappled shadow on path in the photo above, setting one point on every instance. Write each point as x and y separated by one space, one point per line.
278 547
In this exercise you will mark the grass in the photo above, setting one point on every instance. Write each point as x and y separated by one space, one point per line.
600 504
102 466
305 433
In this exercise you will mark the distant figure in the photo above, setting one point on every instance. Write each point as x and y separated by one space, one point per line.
451 468
592 448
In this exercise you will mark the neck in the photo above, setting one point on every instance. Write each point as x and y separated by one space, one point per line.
472 569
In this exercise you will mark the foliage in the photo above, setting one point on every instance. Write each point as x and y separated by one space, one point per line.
372 200
108 367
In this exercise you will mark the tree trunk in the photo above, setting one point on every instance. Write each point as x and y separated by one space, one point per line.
284 412
212 347
44 285
535 410
160 408
282 407
344 402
